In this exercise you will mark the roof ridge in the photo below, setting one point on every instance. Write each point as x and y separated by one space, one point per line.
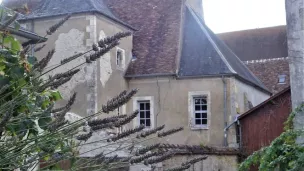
265 60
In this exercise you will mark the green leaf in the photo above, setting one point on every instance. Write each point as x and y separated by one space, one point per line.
2 66
3 80
44 119
56 95
32 60
13 43
16 72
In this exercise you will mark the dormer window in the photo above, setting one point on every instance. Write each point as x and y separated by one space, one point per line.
282 79
120 58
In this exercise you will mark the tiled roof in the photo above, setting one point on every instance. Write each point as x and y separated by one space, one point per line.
156 43
204 54
49 8
255 44
268 71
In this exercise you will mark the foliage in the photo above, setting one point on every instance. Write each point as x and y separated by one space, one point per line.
284 153
32 132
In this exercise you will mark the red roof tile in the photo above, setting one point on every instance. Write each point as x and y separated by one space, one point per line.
156 43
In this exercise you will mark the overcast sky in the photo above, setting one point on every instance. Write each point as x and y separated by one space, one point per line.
231 15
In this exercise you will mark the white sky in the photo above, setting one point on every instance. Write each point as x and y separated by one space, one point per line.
231 15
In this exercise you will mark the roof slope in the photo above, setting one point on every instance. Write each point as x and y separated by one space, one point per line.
204 54
157 41
268 71
254 44
49 8
198 55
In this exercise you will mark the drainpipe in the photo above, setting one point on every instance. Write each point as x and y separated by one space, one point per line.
33 30
240 132
225 112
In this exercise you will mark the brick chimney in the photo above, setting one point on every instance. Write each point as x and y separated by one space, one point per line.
197 6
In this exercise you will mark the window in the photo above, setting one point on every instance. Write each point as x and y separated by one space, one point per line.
144 113
120 58
282 79
199 110
145 106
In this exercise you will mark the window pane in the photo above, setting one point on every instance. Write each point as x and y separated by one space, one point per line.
142 106
142 122
147 106
142 114
204 121
148 114
203 101
204 115
197 101
197 107
148 122
197 116
198 121
204 107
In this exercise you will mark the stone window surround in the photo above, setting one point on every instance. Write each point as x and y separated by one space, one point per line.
136 121
191 115
122 67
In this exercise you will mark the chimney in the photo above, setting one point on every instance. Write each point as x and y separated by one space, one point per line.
197 6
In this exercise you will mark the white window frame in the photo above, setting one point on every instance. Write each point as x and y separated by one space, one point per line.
136 121
191 110
283 76
122 66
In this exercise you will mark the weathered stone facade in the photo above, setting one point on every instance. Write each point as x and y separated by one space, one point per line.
154 74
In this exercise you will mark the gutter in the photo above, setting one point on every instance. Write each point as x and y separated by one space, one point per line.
27 34
150 75
225 111
26 18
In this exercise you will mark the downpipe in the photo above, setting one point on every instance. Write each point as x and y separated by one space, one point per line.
225 112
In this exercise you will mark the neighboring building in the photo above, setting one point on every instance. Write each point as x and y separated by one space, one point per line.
262 124
258 44
274 73
186 75
264 51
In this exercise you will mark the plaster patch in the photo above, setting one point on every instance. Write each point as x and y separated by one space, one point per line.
105 64
69 44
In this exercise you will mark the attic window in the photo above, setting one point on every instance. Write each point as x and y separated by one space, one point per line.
282 79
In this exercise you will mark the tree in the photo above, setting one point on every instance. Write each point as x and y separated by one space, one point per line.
33 132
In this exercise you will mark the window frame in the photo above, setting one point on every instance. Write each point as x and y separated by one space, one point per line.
192 112
136 101
123 60
283 76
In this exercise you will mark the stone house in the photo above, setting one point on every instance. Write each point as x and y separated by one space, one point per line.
186 75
